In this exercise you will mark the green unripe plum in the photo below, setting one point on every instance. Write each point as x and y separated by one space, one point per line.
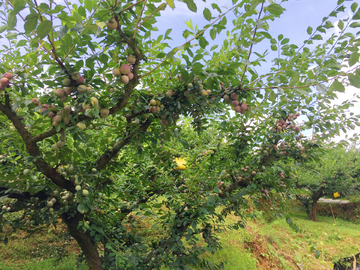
104 112
66 82
50 204
26 171
112 24
124 79
81 125
78 187
131 59
116 72
54 147
85 192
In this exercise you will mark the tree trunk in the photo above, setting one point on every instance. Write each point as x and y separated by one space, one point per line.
91 253
313 210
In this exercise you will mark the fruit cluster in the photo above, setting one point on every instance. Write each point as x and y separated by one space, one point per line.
5 80
238 107
124 72
287 123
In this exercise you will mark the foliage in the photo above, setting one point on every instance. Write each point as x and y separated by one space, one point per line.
95 108
335 170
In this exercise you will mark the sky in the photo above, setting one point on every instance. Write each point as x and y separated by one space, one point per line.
293 23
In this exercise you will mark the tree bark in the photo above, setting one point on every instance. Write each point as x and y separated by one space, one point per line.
91 253
313 210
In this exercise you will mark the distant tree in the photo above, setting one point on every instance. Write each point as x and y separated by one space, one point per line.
333 171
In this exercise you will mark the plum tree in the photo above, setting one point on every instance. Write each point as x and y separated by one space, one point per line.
333 169
123 104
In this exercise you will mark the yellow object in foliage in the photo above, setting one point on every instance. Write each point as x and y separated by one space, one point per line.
180 162
336 195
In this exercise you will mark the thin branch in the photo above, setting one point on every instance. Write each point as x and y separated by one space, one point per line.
109 154
177 49
252 43
125 9
138 19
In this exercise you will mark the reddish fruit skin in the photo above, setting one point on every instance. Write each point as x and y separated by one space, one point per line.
35 101
67 91
50 114
2 88
243 107
125 69
153 109
4 81
80 80
60 92
130 75
67 109
297 129
235 102
8 75
237 108
234 96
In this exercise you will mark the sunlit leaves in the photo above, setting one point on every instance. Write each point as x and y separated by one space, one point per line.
191 5
275 9
170 3
337 86
354 80
30 22
207 14
43 29
354 58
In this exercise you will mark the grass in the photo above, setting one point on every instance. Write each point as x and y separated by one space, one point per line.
261 245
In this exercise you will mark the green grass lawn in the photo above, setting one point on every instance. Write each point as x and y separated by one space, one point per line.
261 245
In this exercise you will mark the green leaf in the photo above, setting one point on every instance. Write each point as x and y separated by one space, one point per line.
11 22
207 14
356 15
43 29
317 37
341 24
354 7
337 86
82 207
354 80
317 254
30 22
354 58
321 88
309 30
272 97
215 6
191 5
170 3
213 33
355 24
62 32
275 9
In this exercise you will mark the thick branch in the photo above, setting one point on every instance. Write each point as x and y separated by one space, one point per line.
109 154
34 150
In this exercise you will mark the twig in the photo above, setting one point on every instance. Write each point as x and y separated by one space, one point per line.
252 43
177 49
